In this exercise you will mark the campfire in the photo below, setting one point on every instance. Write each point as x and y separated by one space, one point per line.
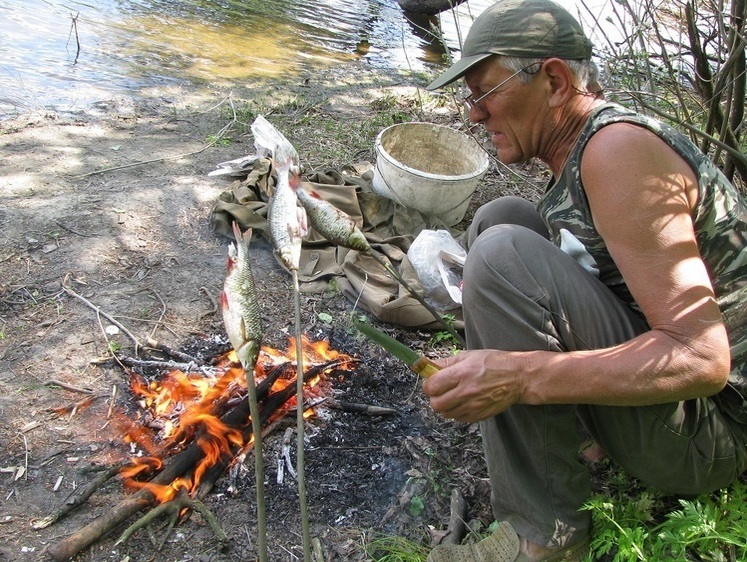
185 407
192 427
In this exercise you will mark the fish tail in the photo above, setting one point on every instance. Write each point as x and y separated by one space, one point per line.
244 238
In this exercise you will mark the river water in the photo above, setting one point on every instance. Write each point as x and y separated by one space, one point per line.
66 54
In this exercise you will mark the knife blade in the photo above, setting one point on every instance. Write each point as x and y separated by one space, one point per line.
416 362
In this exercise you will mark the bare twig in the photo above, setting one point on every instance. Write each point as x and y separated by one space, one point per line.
212 301
99 312
71 230
71 388
74 29
160 318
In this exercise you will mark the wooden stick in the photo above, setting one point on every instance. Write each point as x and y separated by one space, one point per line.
71 388
300 454
186 357
166 365
80 496
98 311
369 409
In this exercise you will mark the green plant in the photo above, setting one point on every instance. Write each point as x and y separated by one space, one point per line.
217 140
417 505
391 548
114 346
444 337
646 527
325 317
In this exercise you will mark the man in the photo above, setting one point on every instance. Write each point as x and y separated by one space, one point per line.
618 304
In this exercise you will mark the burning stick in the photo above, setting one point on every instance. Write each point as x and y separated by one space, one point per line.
177 466
176 354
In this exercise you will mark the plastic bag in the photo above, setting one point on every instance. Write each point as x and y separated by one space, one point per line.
438 259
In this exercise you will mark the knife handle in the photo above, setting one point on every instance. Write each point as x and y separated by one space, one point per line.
424 367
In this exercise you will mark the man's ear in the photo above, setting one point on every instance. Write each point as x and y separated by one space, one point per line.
559 81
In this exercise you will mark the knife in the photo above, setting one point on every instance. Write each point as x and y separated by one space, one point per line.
416 362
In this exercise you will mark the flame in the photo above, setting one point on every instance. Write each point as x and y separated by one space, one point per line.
186 407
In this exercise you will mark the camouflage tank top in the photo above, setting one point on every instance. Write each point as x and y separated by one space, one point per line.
720 221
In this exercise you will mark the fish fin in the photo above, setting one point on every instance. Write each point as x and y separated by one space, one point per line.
223 300
294 179
246 237
303 221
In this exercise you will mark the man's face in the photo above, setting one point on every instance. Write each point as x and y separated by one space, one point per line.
511 113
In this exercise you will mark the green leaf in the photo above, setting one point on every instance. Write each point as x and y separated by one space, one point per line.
417 506
325 317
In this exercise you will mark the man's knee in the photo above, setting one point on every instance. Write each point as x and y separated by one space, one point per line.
506 210
502 246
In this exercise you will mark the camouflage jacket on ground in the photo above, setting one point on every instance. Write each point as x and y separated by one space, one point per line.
720 221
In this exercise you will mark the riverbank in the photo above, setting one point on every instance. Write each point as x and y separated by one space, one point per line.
107 210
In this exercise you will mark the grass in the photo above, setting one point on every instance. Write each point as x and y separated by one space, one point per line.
391 548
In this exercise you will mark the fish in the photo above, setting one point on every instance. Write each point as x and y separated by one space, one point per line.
239 302
237 168
334 224
286 221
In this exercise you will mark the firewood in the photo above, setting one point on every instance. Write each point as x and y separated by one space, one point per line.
369 409
174 508
176 354
79 496
157 364
176 466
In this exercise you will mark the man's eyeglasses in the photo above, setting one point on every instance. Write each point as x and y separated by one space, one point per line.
473 103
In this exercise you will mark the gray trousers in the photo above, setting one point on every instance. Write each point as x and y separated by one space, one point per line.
521 292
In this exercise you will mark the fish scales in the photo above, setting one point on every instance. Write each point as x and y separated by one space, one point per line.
239 302
286 222
334 224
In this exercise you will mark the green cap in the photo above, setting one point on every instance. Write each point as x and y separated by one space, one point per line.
519 28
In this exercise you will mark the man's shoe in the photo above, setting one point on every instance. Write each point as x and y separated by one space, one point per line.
502 546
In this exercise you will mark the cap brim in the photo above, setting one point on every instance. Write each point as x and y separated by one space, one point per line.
457 70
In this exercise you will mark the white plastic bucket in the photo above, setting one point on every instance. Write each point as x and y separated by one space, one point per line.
430 168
